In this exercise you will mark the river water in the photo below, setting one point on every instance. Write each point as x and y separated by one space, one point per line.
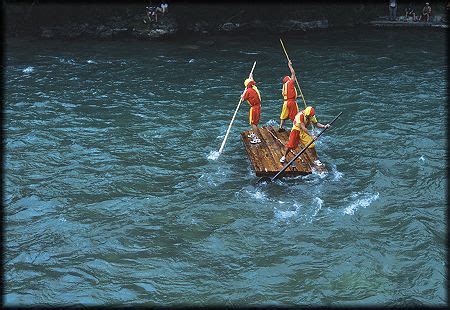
113 195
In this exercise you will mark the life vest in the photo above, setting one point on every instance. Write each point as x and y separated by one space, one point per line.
289 90
250 93
300 118
257 91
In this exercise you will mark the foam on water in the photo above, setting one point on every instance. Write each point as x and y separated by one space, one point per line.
28 70
214 177
337 175
140 115
67 61
316 206
314 178
361 202
213 155
307 215
68 105
287 215
272 123
257 194
249 53
321 174
40 104
207 179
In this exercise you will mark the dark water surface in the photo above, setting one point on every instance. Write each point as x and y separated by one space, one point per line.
112 195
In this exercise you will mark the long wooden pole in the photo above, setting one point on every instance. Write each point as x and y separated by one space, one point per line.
298 85
234 115
267 179
296 80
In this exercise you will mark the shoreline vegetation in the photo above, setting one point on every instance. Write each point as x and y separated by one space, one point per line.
118 21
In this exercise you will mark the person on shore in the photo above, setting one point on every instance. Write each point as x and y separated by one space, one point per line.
163 7
289 92
426 13
410 11
152 13
253 97
392 9
300 133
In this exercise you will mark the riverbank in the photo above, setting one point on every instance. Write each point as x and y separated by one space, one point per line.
74 21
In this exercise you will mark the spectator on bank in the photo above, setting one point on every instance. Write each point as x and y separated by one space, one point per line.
392 9
152 13
163 7
426 12
410 11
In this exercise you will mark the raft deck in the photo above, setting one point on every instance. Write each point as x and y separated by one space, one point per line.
265 156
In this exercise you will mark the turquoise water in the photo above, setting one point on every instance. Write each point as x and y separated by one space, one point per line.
112 195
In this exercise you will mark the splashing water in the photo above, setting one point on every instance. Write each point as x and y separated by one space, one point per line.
319 203
257 194
249 53
337 175
67 61
287 215
213 155
363 202
320 174
28 70
272 123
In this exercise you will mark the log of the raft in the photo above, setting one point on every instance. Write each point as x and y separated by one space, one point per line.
265 156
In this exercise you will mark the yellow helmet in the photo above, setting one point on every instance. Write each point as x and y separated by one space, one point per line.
309 111
247 81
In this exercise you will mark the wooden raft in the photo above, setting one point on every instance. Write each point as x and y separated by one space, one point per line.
265 156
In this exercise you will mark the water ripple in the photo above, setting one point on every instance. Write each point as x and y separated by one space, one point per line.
115 193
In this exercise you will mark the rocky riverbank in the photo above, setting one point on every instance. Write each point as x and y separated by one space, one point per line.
127 21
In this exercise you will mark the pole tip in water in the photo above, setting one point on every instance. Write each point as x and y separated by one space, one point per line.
264 180
213 155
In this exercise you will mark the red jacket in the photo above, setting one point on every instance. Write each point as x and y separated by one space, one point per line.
251 95
289 91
